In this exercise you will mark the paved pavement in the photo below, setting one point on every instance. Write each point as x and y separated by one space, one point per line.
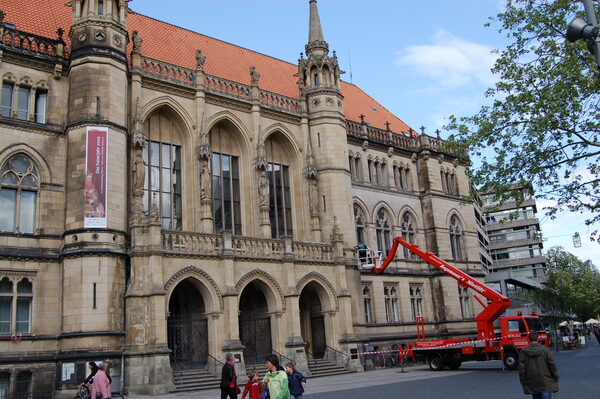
579 371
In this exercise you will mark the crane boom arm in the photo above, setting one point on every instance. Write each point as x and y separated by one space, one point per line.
498 303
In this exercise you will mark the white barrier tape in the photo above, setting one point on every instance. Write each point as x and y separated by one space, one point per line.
462 343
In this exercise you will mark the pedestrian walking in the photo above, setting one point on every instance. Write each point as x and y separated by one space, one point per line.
276 380
537 371
597 334
229 379
296 381
101 384
253 387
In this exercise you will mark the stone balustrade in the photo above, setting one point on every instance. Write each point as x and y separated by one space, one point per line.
167 72
192 243
28 43
227 88
257 247
201 244
398 140
312 251
279 102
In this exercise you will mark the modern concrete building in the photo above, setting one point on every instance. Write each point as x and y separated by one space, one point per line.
515 245
166 198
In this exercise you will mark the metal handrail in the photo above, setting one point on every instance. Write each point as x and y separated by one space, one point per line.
215 363
344 357
309 355
281 355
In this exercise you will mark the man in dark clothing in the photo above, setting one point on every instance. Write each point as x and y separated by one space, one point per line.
228 379
537 370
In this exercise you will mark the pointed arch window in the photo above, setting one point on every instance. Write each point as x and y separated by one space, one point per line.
19 186
163 185
359 222
383 230
280 198
408 233
416 300
225 166
456 238
367 303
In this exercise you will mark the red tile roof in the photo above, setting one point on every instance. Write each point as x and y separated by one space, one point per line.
175 45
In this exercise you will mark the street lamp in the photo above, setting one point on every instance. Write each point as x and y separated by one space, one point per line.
580 29
576 240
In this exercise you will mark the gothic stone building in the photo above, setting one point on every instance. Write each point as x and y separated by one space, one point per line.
167 197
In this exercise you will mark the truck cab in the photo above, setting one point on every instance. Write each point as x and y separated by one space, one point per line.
514 333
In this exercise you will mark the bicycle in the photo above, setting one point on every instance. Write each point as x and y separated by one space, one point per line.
83 392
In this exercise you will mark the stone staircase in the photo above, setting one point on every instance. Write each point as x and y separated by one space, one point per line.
324 367
200 379
194 380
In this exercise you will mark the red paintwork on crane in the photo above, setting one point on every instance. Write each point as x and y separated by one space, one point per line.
485 320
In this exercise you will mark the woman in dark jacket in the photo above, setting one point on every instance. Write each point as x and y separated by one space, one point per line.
93 370
228 379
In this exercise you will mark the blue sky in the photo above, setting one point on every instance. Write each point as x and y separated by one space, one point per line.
423 60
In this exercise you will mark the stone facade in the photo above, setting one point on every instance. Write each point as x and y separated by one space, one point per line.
278 257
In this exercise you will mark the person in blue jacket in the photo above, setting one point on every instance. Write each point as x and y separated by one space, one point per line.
296 381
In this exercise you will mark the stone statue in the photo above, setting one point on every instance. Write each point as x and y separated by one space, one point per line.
313 197
254 76
205 182
139 171
263 190
200 60
137 40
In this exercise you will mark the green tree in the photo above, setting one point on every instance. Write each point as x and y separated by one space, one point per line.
573 287
542 123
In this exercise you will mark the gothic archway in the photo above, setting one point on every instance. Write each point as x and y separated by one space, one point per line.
312 320
187 327
255 323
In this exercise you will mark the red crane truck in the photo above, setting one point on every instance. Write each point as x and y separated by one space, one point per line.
451 352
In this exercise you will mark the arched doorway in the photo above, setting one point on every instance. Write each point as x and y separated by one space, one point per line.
187 327
255 324
312 321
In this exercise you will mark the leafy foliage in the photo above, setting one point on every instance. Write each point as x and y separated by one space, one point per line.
543 123
573 287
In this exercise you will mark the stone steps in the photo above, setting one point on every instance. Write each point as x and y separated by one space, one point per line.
324 367
194 380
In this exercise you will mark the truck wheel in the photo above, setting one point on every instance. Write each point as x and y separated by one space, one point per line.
455 365
511 360
436 362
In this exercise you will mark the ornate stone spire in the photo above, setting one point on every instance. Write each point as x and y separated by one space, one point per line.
316 40
315 33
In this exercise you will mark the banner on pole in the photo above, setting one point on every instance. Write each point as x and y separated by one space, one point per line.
95 192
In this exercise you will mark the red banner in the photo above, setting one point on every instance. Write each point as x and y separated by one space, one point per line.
96 149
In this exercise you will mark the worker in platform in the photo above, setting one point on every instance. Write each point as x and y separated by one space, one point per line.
537 370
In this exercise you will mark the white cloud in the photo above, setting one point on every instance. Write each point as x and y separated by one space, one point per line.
450 61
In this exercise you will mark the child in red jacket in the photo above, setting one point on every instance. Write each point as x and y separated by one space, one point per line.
253 386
